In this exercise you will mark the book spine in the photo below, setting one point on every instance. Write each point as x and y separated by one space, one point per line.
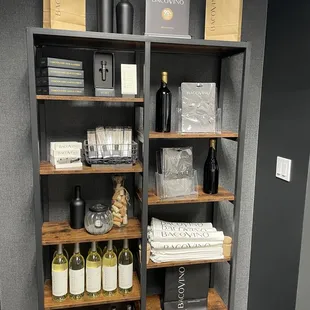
66 73
66 153
65 146
61 63
60 91
58 81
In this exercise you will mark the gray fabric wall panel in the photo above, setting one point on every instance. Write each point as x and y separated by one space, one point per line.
18 284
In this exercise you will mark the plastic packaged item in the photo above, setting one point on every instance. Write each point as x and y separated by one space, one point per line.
178 187
197 107
120 202
175 163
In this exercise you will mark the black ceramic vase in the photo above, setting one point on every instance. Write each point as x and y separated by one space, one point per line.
105 15
124 17
77 210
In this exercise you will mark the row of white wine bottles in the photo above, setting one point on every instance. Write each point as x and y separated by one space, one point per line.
103 273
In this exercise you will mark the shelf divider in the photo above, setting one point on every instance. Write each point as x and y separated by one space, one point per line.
50 304
193 135
54 233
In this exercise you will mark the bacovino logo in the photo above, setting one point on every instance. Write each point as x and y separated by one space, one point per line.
179 2
181 288
213 15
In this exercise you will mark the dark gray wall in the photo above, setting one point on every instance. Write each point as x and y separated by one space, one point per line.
302 301
17 280
284 124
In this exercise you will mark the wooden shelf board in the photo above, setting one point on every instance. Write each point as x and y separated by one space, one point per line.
54 233
222 195
46 168
50 304
215 302
199 135
87 98
152 265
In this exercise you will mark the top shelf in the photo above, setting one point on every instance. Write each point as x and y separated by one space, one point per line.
114 41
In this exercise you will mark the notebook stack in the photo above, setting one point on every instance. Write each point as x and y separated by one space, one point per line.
60 77
66 155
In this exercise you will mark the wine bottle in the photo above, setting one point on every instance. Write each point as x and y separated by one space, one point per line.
125 269
109 271
93 272
64 251
59 276
163 106
76 274
77 210
211 171
98 248
105 249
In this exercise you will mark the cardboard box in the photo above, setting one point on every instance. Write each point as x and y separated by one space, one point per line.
189 282
57 81
60 63
60 72
167 18
193 304
60 91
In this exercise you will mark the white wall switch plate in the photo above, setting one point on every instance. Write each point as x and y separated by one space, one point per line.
283 170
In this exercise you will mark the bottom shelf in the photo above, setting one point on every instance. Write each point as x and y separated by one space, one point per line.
215 302
50 304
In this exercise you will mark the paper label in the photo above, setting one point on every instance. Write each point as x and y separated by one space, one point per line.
125 275
60 283
93 279
109 278
76 281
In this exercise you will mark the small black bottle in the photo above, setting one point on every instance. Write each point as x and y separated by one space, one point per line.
211 171
77 210
163 106
105 14
124 17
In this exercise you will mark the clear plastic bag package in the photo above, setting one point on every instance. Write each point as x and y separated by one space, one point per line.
197 108
175 163
178 187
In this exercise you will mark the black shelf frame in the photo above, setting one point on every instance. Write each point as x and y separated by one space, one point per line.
38 37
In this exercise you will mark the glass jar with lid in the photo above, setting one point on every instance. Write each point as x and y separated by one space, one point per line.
98 220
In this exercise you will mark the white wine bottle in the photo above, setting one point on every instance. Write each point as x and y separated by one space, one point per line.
125 269
93 272
65 252
59 275
106 248
76 274
109 271
99 250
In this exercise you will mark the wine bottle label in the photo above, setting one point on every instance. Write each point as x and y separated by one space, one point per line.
109 278
125 276
76 281
93 279
59 283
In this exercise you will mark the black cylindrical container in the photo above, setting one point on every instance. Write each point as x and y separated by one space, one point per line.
124 17
105 15
77 210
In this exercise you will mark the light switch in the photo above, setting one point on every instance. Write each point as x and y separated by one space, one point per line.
283 170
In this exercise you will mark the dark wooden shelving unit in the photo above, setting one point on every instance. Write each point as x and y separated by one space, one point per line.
142 47
222 195
46 168
194 135
50 304
54 233
43 98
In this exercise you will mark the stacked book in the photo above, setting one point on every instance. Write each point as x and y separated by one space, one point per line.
172 242
66 155
60 77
